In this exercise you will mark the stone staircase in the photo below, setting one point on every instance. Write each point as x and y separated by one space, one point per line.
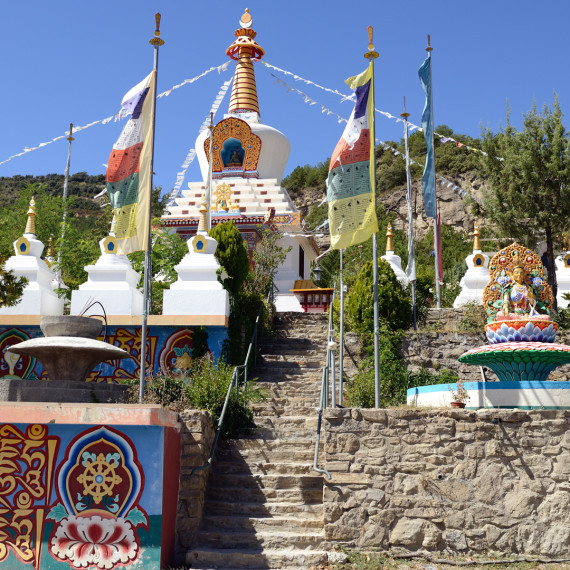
263 504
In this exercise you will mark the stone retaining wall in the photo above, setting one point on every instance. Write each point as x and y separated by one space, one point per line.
196 439
449 480
439 350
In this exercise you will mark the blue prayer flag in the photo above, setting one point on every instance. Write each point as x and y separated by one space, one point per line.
428 177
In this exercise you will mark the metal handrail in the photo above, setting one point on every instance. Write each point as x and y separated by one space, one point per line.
324 399
234 383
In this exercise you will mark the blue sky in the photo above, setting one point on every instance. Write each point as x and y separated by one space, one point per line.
72 61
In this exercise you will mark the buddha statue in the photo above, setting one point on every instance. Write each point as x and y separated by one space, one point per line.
519 298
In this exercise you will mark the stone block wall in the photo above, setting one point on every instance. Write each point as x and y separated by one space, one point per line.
439 350
465 482
196 440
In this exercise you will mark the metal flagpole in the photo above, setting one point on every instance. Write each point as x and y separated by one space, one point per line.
429 49
371 55
411 268
209 181
341 348
65 185
155 41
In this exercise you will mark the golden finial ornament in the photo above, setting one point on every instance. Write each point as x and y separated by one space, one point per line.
476 239
31 223
70 137
156 40
429 48
389 242
371 54
50 254
405 114
203 223
246 20
244 50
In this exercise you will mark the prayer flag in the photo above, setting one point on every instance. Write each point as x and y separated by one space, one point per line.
428 178
352 212
129 169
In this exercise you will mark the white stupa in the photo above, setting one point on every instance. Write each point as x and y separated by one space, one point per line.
38 297
248 162
477 276
394 260
111 281
563 279
197 292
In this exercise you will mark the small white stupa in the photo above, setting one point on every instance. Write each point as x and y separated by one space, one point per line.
111 281
477 276
563 279
198 291
38 297
394 260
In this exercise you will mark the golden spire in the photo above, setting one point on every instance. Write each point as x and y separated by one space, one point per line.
389 244
244 50
476 240
50 256
203 223
31 224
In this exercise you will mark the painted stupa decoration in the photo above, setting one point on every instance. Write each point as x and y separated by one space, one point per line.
517 298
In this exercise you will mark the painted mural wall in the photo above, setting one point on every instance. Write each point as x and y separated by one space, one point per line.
77 496
168 348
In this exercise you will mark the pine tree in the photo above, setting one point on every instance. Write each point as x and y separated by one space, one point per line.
529 176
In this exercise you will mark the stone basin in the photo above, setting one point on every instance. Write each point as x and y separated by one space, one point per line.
68 358
70 325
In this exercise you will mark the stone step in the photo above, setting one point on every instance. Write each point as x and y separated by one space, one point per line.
263 495
295 524
252 467
275 540
281 434
272 410
307 510
248 451
302 359
266 482
208 559
302 422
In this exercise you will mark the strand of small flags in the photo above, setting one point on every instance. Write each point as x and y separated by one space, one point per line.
171 200
290 89
411 126
122 114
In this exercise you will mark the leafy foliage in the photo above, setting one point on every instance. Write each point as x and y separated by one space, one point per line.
529 175
204 387
306 177
232 255
394 307
11 287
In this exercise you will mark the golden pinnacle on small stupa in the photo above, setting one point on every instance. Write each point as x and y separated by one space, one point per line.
203 223
31 223
389 244
50 255
476 239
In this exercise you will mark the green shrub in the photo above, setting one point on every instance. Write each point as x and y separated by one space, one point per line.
204 387
474 318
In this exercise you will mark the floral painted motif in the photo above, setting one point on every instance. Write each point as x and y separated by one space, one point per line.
99 485
95 541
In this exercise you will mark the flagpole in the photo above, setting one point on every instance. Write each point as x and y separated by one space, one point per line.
371 55
210 169
411 268
429 49
65 185
341 348
156 42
